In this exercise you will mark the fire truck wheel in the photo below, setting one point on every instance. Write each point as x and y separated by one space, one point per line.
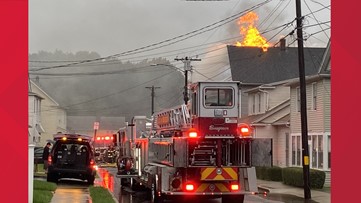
233 198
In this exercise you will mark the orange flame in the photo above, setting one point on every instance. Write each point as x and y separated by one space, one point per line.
252 37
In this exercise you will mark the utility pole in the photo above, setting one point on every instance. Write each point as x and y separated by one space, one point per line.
152 88
304 130
187 67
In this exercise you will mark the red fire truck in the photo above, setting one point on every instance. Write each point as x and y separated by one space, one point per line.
194 150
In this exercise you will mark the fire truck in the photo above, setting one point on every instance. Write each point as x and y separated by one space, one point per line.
193 150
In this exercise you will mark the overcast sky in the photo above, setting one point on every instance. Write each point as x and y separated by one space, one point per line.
116 26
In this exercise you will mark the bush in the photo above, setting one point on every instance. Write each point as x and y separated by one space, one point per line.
269 173
294 176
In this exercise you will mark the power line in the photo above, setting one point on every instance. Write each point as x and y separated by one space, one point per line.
146 48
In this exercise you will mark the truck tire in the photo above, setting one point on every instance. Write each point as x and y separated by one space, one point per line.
91 180
233 198
51 177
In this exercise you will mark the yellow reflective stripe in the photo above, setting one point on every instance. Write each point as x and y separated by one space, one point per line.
206 173
222 187
219 177
231 173
202 187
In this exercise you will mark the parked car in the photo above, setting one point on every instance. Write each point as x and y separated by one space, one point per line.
72 156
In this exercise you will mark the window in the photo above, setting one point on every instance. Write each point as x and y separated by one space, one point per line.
259 102
298 146
314 96
218 97
287 149
194 103
298 95
329 152
320 152
293 150
317 151
254 104
296 150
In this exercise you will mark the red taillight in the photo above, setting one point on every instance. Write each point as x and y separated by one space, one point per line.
192 133
234 187
189 187
92 164
98 138
49 160
244 130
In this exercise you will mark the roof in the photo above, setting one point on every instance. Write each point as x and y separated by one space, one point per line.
275 116
250 65
325 67
33 84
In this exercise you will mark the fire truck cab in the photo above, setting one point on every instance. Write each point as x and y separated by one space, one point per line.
197 150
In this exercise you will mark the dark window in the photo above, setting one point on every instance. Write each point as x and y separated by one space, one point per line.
218 97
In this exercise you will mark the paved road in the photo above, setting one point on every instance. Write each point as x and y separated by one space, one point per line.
125 195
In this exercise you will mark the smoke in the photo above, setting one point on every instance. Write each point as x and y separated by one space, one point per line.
214 65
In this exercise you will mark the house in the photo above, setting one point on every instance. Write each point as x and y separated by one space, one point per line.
271 101
53 116
253 67
34 127
318 93
269 116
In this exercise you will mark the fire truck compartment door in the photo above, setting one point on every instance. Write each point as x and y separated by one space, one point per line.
262 152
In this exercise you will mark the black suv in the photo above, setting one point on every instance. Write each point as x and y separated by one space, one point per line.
72 156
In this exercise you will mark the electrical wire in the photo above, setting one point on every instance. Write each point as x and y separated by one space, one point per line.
169 41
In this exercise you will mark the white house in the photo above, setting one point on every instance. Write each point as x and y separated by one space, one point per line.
269 109
318 92
53 116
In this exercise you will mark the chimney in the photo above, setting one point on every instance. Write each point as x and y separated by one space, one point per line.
283 44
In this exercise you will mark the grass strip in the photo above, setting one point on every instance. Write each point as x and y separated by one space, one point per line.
100 195
43 191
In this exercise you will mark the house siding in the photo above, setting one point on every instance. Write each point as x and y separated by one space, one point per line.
326 87
322 112
278 95
280 147
315 116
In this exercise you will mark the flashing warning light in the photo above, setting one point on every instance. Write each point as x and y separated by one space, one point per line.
64 138
192 133
107 138
234 187
79 139
189 187
98 138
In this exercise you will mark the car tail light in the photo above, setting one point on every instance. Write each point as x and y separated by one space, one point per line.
234 187
49 160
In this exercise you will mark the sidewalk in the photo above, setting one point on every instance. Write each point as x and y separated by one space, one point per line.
273 187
